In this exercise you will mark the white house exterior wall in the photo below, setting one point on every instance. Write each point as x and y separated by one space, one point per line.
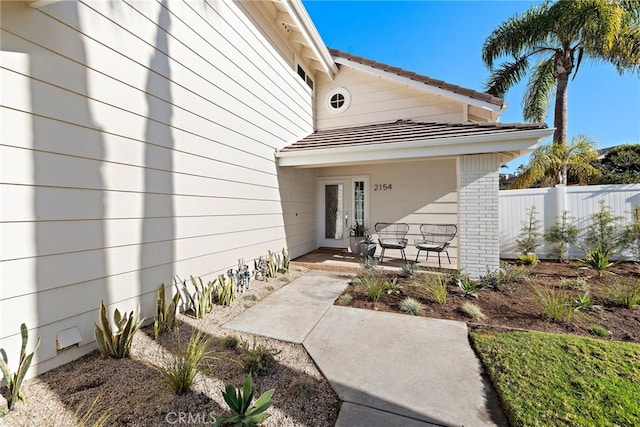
377 100
138 143
421 192
479 232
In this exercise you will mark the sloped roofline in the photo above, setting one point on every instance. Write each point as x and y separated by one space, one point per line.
296 10
408 140
420 81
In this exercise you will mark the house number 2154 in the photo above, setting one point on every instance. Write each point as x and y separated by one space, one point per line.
381 187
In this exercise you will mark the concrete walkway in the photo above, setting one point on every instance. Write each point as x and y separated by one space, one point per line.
388 369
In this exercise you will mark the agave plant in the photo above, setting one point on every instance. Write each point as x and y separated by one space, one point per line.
116 343
14 382
598 259
239 402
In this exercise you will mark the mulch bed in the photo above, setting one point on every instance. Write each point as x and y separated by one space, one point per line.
517 307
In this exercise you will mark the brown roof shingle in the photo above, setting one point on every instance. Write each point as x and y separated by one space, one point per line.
403 131
419 78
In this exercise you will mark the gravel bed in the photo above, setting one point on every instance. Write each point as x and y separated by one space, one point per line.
130 392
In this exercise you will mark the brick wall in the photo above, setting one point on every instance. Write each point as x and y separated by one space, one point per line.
478 232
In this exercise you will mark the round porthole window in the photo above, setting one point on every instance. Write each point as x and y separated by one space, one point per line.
338 100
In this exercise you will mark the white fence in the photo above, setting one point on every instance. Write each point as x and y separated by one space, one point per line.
581 202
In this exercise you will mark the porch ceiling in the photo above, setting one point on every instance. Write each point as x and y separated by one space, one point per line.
405 139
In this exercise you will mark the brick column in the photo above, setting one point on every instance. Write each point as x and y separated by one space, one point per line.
478 227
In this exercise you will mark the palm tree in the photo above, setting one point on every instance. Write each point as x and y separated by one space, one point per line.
547 163
557 36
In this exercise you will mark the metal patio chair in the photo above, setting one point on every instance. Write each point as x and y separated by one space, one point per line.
436 238
392 236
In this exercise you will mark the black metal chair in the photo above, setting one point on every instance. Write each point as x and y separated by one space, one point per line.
392 236
436 238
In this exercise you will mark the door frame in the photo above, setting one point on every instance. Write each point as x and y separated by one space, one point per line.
349 182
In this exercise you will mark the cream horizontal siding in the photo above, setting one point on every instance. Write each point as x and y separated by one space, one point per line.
376 100
423 191
141 147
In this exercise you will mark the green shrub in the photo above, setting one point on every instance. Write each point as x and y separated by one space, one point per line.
239 402
578 283
345 299
585 303
625 293
180 369
598 330
303 387
451 278
556 305
356 281
529 233
528 259
411 306
604 230
375 285
472 310
14 382
491 280
409 269
392 287
467 287
598 259
433 284
259 359
231 342
368 265
165 315
562 234
116 344
250 297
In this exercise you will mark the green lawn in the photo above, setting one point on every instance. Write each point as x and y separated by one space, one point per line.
551 379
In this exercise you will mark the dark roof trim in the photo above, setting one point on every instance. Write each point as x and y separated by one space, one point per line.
404 131
441 84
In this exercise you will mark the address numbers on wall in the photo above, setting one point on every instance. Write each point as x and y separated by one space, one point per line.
381 187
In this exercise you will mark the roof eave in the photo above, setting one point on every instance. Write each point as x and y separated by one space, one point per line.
420 85
510 144
308 30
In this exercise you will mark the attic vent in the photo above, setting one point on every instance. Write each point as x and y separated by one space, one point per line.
338 100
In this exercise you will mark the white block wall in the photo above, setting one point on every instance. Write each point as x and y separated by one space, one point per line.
478 230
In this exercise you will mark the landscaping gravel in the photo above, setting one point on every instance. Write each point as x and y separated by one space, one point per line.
130 392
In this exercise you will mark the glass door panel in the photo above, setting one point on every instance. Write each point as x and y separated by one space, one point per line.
334 211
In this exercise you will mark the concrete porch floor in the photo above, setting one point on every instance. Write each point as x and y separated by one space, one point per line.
341 260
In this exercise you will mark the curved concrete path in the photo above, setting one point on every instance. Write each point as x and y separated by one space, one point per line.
388 369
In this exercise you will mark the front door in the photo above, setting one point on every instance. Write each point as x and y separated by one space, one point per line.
343 202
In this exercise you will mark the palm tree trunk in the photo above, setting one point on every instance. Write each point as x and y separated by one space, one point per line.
564 64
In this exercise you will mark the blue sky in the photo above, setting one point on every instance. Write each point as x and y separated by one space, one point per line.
443 40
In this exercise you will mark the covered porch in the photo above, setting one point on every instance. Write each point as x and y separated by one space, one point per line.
414 173
343 261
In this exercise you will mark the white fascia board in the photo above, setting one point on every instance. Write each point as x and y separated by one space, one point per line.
303 22
419 85
444 147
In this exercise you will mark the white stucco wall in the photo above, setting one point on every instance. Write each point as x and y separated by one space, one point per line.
422 191
138 144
